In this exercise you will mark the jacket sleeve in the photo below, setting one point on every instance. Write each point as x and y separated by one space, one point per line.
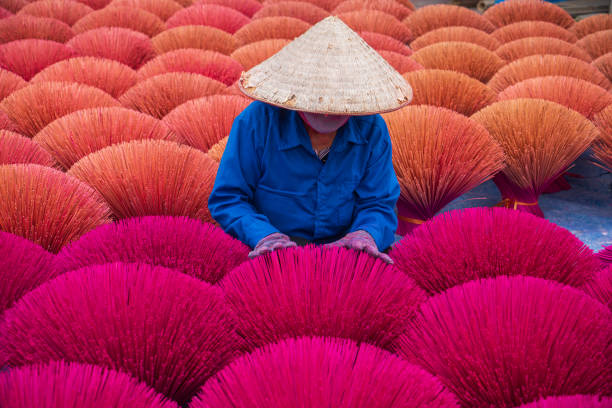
230 202
378 191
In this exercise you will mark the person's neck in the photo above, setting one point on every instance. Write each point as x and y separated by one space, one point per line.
320 140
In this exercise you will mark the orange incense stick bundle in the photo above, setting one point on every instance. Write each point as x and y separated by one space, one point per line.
202 122
449 89
467 58
577 94
429 18
438 155
120 44
254 53
540 139
509 12
524 29
22 27
525 47
456 33
592 24
163 9
195 36
602 149
150 177
297 9
160 94
35 106
111 76
545 65
74 136
268 28
68 11
132 18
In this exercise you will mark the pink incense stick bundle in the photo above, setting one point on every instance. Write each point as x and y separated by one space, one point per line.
320 292
61 384
202 122
600 287
6 123
46 206
68 11
511 340
129 47
111 76
132 18
211 64
150 177
303 10
464 245
10 82
606 254
15 149
540 139
429 18
80 133
198 249
573 401
381 42
314 372
195 36
509 12
22 27
213 15
438 155
268 28
161 326
23 266
28 57
400 62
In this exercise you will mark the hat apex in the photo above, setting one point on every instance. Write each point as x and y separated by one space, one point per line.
328 69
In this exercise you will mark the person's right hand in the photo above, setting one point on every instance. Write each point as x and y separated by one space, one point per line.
270 243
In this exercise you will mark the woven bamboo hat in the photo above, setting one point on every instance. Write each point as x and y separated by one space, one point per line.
328 69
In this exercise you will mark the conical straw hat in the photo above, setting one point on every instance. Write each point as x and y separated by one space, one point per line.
328 69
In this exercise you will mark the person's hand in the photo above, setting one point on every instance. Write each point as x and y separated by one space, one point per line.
361 241
270 243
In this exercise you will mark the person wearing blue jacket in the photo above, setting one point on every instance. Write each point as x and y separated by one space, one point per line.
311 161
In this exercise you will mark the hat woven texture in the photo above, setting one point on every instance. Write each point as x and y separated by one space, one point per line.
328 69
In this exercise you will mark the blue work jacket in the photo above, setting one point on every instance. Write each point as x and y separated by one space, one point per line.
271 180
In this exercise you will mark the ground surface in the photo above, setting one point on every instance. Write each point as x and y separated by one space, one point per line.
585 209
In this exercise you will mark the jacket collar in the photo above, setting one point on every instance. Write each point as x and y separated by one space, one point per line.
298 136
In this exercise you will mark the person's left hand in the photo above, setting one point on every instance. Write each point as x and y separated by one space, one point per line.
361 241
